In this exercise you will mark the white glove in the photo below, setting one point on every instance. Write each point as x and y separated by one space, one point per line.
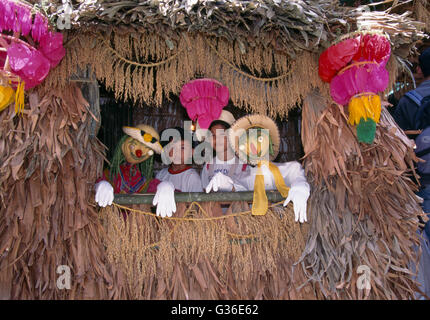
164 199
104 193
220 181
299 195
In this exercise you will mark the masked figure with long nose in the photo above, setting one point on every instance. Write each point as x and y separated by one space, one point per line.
131 169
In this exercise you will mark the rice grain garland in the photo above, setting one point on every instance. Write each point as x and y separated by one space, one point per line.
129 68
224 254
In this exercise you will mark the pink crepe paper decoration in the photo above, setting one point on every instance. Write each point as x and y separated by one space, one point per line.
25 20
19 56
51 45
40 28
17 17
364 78
7 18
356 66
363 74
204 100
30 65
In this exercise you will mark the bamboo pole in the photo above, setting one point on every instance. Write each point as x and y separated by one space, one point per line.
411 132
146 198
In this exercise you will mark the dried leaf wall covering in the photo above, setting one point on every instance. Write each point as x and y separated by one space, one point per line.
422 12
272 84
369 209
48 167
233 257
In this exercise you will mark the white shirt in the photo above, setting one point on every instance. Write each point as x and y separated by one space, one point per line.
292 172
185 181
241 170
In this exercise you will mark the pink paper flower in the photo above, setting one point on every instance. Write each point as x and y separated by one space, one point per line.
19 56
7 20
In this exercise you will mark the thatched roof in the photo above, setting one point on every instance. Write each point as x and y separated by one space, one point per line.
288 26
259 48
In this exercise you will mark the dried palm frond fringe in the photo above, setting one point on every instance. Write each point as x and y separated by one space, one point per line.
369 214
197 256
422 12
48 162
271 84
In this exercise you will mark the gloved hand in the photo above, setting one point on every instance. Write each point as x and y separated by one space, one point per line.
220 182
299 195
164 199
104 193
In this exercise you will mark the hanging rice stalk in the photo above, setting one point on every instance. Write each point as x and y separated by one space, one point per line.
203 254
256 90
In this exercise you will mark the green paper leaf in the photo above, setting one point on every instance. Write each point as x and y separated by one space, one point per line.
366 131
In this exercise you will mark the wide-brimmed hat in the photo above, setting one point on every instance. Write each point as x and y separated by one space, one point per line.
226 117
146 135
254 121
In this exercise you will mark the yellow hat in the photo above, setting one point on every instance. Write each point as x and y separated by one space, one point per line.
145 134
254 121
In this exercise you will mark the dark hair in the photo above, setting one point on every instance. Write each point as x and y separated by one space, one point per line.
181 135
223 123
424 60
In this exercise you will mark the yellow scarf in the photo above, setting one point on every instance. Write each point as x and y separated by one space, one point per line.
19 98
6 96
260 202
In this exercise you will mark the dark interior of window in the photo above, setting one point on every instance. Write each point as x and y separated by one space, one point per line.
115 114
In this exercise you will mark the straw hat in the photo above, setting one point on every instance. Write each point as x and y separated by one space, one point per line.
249 122
225 116
146 135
